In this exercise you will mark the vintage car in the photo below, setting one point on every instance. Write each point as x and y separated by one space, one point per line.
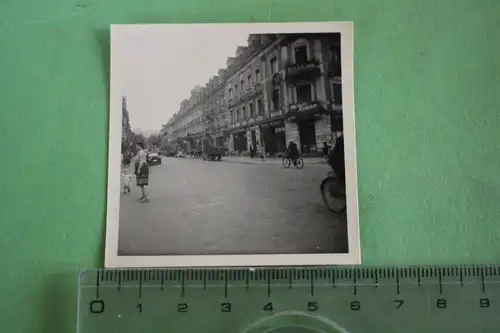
154 159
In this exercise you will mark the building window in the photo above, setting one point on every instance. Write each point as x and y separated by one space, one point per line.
251 110
243 113
276 99
304 93
231 117
242 85
260 109
300 54
335 54
337 93
274 65
235 88
257 75
249 80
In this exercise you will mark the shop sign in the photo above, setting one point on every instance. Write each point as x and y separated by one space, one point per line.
300 116
336 80
303 107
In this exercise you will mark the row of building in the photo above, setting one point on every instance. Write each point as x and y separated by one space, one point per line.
276 89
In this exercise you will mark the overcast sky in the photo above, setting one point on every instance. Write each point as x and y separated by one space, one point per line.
156 66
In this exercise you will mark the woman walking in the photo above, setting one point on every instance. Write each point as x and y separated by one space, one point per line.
142 171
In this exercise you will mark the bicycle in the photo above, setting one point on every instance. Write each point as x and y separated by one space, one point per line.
287 162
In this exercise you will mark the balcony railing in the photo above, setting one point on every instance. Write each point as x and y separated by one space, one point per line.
246 95
302 71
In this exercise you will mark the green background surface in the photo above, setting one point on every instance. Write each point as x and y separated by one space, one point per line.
427 84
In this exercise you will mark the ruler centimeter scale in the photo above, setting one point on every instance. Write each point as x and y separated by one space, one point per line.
454 298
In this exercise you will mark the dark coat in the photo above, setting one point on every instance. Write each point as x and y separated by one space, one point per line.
337 158
293 151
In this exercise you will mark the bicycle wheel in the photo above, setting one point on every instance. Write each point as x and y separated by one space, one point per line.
299 164
286 162
333 197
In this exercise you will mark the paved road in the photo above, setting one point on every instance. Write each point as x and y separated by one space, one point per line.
200 207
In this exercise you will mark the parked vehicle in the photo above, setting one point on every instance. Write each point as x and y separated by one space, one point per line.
180 154
211 152
154 159
333 193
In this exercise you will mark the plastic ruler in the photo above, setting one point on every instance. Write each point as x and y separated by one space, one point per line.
457 298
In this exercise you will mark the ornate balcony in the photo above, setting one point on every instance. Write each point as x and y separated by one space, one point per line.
251 93
246 95
302 71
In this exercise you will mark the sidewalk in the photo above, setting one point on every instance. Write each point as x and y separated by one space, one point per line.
268 160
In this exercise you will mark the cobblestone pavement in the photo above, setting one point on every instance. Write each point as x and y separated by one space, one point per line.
202 207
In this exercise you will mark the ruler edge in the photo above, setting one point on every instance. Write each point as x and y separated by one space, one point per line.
350 272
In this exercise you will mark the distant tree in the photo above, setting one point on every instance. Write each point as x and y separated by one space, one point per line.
154 140
137 138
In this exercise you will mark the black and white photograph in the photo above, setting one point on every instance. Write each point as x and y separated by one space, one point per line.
232 145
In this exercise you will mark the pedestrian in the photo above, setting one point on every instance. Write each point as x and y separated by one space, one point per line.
126 177
337 159
326 150
142 171
252 152
293 152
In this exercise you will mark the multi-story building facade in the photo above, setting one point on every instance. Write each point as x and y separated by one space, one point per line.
310 80
276 89
202 116
187 121
214 111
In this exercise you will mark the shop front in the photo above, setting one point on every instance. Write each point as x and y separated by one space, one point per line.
240 141
194 143
305 116
337 122
219 142
182 144
273 136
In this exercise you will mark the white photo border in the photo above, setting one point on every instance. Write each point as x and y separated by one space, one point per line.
113 260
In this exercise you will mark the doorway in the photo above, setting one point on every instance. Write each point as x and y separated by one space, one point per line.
254 140
307 135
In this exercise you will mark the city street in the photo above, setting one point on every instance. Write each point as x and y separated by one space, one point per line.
199 207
